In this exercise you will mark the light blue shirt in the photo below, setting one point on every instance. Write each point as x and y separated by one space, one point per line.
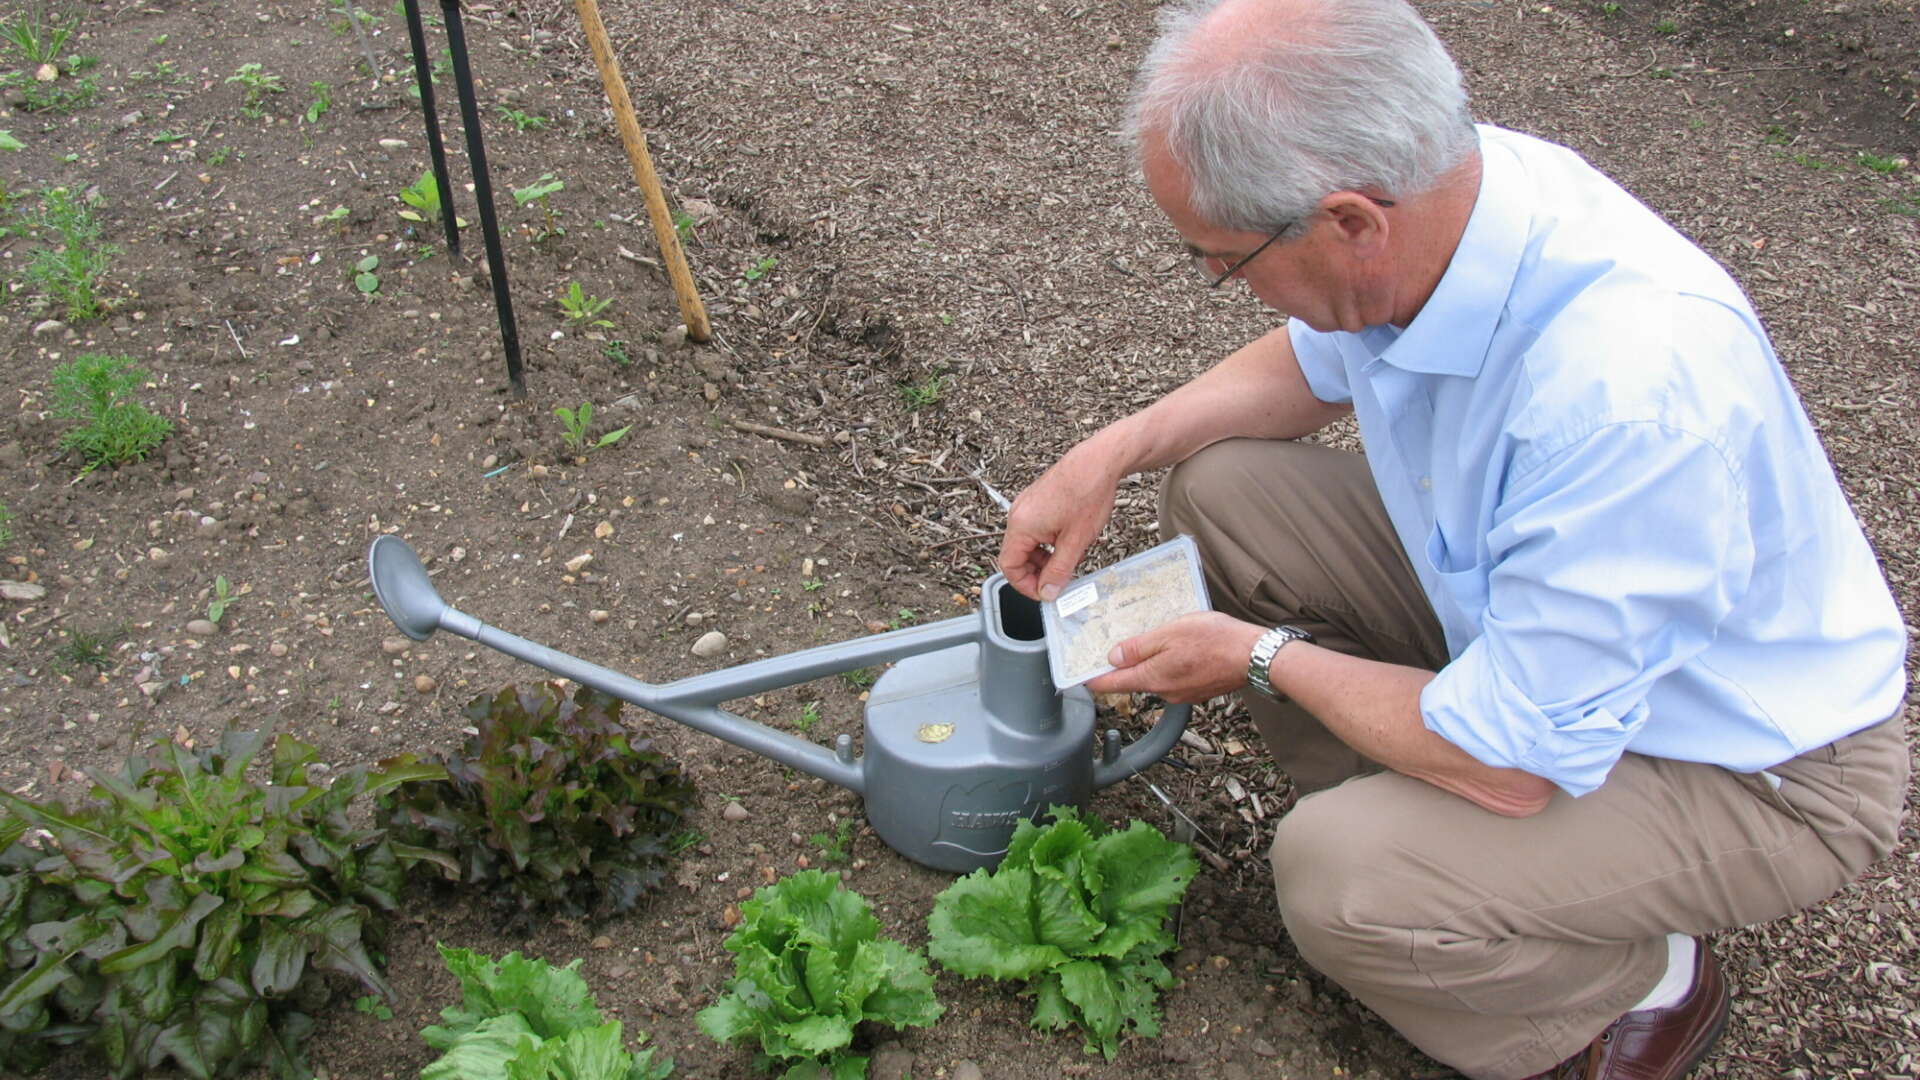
1611 495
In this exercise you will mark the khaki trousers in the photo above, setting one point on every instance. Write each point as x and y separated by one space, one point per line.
1499 946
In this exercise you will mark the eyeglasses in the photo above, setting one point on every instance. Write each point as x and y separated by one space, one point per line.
1200 261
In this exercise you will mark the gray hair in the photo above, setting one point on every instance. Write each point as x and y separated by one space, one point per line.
1358 95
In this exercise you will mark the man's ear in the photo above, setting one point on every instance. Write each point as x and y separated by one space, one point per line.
1362 223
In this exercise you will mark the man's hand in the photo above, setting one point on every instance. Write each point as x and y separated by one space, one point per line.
1187 661
1063 511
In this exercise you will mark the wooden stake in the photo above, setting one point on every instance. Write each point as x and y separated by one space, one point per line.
691 310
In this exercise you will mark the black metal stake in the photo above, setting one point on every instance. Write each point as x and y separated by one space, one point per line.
483 194
423 78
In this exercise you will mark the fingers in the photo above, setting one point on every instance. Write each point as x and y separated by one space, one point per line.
1060 565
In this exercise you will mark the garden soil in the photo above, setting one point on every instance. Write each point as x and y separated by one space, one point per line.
925 255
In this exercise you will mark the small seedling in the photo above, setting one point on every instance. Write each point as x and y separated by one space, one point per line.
582 308
1777 136
100 392
860 678
813 584
165 137
1609 8
683 840
683 225
1906 206
34 38
70 272
616 351
338 213
575 422
916 396
364 277
1811 162
55 98
523 121
424 196
222 596
834 846
322 100
1666 26
760 269
809 716
906 617
6 525
87 648
541 191
1661 73
219 156
8 142
256 85
1880 164
371 1005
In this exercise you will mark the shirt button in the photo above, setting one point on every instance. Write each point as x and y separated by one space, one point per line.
1426 483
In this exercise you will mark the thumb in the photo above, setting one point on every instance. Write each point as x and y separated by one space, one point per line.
1134 650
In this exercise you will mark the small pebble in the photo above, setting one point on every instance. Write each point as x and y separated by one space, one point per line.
579 562
734 812
394 646
424 683
51 326
202 628
712 643
277 649
599 616
158 556
967 1070
695 618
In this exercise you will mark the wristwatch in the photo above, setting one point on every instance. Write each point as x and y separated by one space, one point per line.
1263 652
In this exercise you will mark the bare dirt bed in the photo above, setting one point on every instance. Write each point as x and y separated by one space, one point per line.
918 238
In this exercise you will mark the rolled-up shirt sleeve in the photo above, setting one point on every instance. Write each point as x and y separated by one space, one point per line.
1320 362
1609 564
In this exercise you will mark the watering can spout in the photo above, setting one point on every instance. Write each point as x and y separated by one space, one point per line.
401 584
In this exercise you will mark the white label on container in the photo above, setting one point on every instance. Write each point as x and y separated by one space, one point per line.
1075 600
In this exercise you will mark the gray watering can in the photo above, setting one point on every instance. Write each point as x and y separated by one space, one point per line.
965 735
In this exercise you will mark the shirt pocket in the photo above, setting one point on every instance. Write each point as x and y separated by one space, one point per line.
1460 590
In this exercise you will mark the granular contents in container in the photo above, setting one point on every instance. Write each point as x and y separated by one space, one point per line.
1129 598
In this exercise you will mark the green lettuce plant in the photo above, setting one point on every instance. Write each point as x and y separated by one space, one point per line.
189 915
553 807
809 965
524 1019
1079 914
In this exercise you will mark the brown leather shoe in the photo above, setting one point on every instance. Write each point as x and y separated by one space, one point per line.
1657 1044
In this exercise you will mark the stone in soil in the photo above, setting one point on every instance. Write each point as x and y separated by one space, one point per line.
711 644
734 812
202 628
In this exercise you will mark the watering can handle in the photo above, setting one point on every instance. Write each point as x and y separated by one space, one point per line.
1116 764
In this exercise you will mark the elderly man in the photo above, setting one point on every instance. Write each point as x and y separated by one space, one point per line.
1587 656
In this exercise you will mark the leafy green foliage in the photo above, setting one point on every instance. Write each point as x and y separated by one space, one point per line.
189 915
760 269
574 424
524 1019
1079 914
99 392
424 196
68 269
523 121
582 308
808 966
834 845
255 85
541 191
322 100
364 277
6 525
8 142
553 807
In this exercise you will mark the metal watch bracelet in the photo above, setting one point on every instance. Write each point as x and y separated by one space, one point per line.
1264 649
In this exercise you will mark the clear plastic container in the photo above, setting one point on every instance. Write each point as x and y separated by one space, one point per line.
1096 612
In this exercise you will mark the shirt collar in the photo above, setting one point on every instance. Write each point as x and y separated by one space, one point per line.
1454 329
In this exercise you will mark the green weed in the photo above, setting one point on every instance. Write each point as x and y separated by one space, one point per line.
1666 26
1776 136
835 846
582 308
371 1005
1811 162
575 422
8 142
1905 206
222 596
165 138
100 393
541 191
219 156
809 716
35 38
916 396
1880 164
87 648
6 525
256 86
69 271
523 121
683 225
760 269
364 277
56 98
322 100
616 351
